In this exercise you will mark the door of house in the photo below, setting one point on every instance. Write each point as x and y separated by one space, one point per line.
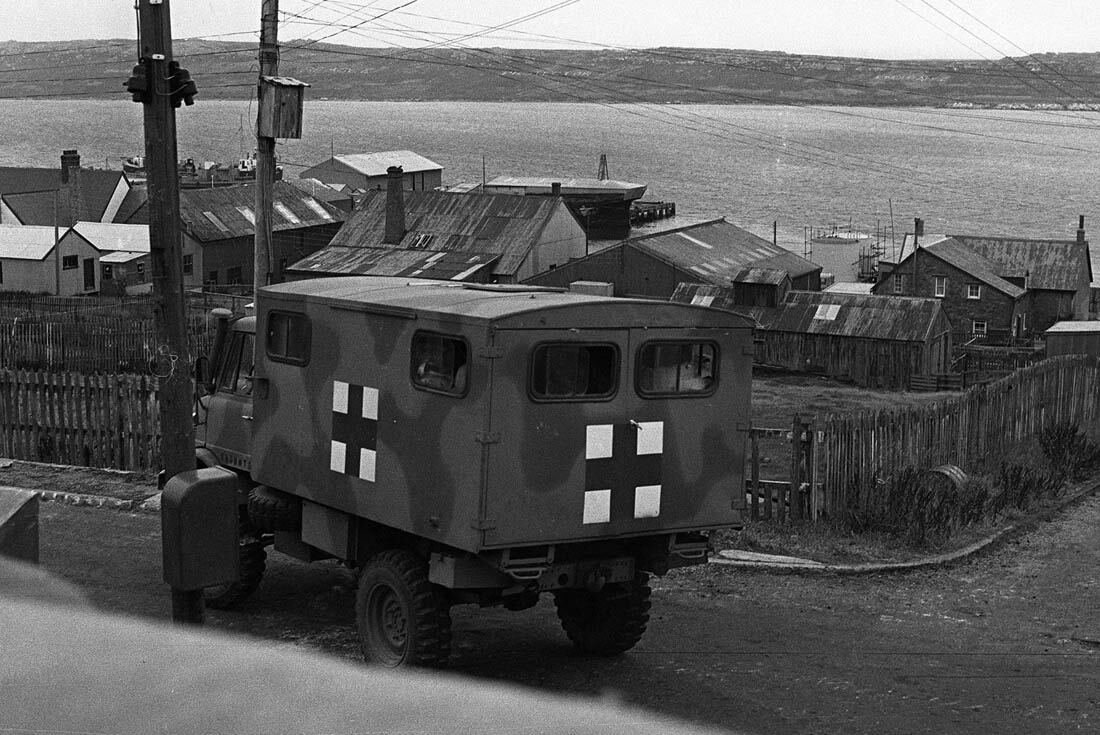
89 274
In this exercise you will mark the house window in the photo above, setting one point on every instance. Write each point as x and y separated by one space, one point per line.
69 262
1 271
212 277
973 291
567 371
188 264
233 275
141 271
439 363
899 283
288 337
108 273
666 368
979 328
941 286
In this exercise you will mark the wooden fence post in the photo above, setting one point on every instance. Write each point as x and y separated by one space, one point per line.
794 491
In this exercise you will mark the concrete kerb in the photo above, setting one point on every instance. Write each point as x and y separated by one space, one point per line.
793 565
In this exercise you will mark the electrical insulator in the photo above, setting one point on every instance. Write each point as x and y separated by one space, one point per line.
182 86
138 84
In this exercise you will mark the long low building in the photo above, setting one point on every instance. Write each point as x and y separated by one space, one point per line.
872 341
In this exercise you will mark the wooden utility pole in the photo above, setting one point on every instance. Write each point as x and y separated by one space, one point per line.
173 363
265 146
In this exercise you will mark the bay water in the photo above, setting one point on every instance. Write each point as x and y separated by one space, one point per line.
995 172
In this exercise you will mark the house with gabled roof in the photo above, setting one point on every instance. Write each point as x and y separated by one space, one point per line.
995 287
715 252
62 196
124 262
219 230
367 171
36 259
487 238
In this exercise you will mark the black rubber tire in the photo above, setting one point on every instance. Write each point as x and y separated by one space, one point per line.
403 619
608 622
253 564
272 510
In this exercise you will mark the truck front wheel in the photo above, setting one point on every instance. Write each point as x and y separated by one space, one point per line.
607 622
253 560
404 620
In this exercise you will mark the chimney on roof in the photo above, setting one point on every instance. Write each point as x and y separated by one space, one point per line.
1081 228
918 230
395 205
70 160
555 188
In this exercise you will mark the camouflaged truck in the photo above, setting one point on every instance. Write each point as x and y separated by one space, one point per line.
462 443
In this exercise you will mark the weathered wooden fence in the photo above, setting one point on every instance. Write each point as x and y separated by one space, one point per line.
862 450
87 420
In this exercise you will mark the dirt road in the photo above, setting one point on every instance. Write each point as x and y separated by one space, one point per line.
1006 643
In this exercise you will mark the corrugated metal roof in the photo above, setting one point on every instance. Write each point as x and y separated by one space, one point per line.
1074 327
375 164
717 251
1055 265
545 185
26 242
501 224
856 288
441 265
958 255
121 256
108 236
769 276
226 212
900 318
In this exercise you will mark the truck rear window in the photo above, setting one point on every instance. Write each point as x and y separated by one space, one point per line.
439 363
288 337
574 371
676 368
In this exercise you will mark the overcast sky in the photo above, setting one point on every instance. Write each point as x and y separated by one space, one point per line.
870 28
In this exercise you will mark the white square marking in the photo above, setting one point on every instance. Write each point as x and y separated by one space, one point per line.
651 437
598 444
370 403
339 457
339 396
366 464
647 501
597 506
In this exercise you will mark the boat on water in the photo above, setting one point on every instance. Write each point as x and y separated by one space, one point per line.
838 235
204 175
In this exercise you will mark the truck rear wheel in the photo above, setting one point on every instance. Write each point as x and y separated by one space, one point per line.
607 622
253 560
404 620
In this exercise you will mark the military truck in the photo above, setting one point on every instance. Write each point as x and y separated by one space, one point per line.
461 443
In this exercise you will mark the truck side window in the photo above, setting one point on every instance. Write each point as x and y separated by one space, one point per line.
674 368
439 363
574 371
288 337
236 373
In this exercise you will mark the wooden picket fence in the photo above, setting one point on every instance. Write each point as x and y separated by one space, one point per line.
87 420
862 450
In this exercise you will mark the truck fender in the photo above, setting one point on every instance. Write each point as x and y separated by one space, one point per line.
199 529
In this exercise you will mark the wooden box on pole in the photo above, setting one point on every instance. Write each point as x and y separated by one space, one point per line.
280 110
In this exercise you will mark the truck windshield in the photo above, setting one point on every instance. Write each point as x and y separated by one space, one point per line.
574 371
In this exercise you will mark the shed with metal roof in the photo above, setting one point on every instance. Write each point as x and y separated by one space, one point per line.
1073 338
873 341
367 171
715 252
499 237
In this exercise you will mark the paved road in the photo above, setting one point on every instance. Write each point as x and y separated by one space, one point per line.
1007 643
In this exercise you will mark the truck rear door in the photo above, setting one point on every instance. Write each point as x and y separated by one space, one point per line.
582 449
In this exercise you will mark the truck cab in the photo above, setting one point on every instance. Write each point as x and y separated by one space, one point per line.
462 443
